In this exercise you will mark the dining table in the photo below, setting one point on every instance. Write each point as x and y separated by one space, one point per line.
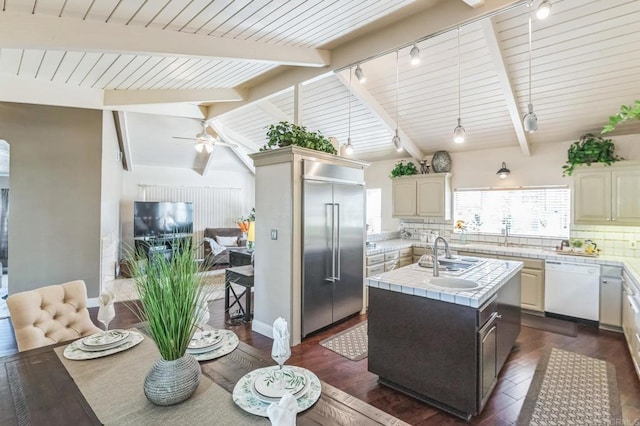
36 388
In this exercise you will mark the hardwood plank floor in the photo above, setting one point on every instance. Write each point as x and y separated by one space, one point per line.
352 377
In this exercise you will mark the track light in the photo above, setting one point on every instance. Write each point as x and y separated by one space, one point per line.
458 132
415 55
503 172
360 75
530 120
544 10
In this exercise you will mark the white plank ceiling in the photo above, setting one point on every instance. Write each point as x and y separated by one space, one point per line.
585 58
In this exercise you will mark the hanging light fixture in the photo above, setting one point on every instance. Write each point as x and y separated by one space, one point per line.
204 140
544 10
348 149
503 172
458 132
415 54
530 120
360 75
397 143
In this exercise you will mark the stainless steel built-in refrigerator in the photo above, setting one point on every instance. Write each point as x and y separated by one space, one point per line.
333 219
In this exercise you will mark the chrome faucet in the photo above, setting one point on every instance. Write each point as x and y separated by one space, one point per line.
505 232
447 254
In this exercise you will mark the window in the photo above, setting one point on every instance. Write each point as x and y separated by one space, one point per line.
536 212
374 211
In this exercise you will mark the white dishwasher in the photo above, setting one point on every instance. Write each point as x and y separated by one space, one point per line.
572 289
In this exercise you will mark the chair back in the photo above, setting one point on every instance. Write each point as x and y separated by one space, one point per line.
51 314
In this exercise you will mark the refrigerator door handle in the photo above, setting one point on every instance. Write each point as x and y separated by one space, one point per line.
337 216
332 277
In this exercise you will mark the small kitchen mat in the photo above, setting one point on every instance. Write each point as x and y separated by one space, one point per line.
569 388
352 343
553 325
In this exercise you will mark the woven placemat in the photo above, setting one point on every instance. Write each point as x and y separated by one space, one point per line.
572 389
352 343
113 387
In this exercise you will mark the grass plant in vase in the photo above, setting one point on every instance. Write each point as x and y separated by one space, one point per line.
170 293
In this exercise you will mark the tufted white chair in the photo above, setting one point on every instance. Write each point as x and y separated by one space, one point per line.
51 314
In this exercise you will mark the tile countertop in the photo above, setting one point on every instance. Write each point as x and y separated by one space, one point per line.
413 279
630 264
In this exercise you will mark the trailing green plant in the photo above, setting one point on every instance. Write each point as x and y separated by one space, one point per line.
627 112
402 169
171 298
589 149
285 134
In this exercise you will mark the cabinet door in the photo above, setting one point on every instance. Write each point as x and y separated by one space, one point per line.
431 198
625 202
611 301
532 289
592 197
489 368
404 197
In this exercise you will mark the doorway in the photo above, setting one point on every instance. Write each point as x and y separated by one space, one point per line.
4 218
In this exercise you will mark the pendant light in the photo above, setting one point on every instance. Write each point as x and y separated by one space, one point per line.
458 132
415 54
530 120
348 149
503 173
544 10
397 143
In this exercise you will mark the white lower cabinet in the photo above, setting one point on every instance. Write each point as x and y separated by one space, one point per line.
611 297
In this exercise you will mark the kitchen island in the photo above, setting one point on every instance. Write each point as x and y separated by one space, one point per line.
444 345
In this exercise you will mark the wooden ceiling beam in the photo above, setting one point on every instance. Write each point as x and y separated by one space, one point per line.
35 31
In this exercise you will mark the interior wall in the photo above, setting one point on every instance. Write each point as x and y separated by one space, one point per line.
112 172
54 231
233 176
477 169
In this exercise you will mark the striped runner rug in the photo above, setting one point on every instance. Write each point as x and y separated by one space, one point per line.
572 389
352 343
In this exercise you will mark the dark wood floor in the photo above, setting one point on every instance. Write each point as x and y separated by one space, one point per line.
352 377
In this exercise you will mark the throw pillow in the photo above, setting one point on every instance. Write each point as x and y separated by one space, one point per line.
216 248
227 241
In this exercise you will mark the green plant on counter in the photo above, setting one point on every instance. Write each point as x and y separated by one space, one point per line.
627 112
402 169
589 149
576 243
285 134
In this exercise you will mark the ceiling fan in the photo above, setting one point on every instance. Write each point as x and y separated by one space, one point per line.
205 141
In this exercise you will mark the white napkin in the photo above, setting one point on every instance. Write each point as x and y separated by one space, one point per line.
283 413
280 329
280 339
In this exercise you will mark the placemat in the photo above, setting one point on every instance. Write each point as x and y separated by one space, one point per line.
113 387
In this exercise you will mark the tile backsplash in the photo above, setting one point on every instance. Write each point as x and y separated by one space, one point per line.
612 240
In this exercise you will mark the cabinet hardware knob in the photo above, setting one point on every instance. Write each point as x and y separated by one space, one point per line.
604 281
498 316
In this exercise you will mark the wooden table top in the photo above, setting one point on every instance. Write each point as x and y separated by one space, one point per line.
35 389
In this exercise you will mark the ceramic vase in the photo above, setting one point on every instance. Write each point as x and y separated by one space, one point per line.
171 382
441 162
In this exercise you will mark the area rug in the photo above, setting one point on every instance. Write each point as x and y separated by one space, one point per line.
351 343
554 325
572 389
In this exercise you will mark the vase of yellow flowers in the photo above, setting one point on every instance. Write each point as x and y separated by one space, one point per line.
461 227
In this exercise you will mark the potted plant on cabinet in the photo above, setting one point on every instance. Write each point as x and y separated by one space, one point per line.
589 149
402 169
173 304
285 134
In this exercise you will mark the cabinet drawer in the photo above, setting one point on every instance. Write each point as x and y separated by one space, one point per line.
375 259
406 252
388 266
375 270
392 255
528 262
404 261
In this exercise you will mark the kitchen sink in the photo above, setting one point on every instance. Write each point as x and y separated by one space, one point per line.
453 283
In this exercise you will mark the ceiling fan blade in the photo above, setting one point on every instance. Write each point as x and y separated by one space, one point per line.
187 139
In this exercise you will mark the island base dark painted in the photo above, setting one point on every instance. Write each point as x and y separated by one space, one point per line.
441 353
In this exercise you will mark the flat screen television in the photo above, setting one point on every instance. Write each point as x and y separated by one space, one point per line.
161 218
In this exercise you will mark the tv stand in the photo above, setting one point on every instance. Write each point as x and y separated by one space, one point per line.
162 245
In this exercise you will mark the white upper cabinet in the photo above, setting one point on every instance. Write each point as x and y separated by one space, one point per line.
607 195
422 196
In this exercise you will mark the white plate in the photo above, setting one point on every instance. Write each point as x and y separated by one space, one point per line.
74 352
229 343
206 348
86 348
211 338
105 339
275 383
245 398
266 399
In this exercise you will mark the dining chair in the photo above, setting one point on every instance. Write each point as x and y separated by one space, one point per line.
50 314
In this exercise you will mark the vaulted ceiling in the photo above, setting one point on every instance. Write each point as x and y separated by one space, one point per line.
166 65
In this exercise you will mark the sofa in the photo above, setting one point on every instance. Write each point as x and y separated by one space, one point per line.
226 237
